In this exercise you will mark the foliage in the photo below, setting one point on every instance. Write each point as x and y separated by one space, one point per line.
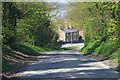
106 49
97 50
10 16
29 49
104 24
100 21
68 48
24 23
91 47
34 50
114 55
6 49
7 67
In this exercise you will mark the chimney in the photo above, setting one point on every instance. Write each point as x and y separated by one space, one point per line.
66 26
70 26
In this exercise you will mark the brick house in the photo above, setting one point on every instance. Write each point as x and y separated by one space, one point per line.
68 34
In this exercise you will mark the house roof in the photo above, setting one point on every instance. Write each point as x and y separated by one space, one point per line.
69 30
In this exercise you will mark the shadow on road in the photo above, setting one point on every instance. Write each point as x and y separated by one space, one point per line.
67 65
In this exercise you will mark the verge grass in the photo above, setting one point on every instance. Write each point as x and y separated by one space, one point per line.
105 49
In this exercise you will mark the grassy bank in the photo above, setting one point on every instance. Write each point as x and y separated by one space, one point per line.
108 49
18 54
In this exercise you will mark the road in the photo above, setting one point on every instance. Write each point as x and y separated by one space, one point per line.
67 64
80 45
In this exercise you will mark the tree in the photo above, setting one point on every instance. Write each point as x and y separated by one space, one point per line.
27 22
10 17
99 19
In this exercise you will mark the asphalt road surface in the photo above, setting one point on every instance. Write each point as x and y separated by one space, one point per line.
67 64
80 45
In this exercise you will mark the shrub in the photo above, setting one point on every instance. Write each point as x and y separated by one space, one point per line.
68 48
6 66
26 48
6 49
91 47
116 56
106 49
97 50
34 50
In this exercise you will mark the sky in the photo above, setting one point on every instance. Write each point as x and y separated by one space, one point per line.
61 12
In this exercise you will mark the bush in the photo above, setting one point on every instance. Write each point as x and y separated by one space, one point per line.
68 48
106 49
91 47
52 45
104 38
6 66
97 50
34 50
114 55
27 48
6 49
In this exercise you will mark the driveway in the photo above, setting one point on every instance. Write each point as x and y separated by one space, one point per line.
67 64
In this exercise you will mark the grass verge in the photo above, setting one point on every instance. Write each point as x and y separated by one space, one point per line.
105 49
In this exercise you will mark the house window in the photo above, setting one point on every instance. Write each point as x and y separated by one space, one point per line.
71 34
74 38
71 38
67 40
67 34
75 33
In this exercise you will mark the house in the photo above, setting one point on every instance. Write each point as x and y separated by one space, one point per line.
68 34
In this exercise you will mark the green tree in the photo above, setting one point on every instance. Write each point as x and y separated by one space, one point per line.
27 22
10 17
